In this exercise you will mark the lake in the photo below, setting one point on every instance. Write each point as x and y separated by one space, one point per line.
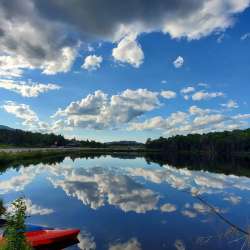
128 202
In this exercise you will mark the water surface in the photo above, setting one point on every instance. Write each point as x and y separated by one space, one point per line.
129 203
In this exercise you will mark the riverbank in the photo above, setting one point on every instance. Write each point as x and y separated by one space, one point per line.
13 155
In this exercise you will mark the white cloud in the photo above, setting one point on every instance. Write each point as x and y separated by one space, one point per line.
21 111
189 213
61 64
168 208
16 183
158 122
205 120
46 42
132 244
99 111
187 90
95 187
245 36
231 104
202 84
129 51
233 199
242 116
33 209
29 117
179 245
12 66
178 62
196 120
92 62
168 94
86 241
202 95
194 110
27 89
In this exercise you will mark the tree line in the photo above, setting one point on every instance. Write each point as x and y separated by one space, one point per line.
213 144
20 138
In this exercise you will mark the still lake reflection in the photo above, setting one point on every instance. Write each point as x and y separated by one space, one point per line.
122 203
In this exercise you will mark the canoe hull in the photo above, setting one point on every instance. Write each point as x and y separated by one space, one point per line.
48 237
43 238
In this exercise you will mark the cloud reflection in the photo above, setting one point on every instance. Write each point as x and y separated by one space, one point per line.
132 244
95 187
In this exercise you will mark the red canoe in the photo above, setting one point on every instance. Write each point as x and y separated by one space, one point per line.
43 238
48 237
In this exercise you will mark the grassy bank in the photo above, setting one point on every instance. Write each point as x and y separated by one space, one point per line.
14 156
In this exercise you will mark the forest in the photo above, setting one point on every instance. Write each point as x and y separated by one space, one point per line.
20 138
212 144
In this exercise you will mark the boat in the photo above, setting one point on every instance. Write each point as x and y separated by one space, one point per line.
48 237
40 237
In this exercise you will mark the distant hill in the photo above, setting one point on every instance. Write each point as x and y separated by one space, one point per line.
6 127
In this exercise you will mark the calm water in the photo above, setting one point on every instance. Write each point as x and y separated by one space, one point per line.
131 204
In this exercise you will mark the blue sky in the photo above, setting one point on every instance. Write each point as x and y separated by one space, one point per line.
130 77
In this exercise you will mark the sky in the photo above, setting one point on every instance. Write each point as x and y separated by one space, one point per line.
125 70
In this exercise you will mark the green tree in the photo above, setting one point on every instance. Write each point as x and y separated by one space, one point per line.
15 226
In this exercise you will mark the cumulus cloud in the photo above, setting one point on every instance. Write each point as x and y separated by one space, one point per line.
202 95
27 115
233 199
96 186
12 66
16 183
187 90
178 62
21 111
158 122
168 94
168 208
61 64
86 241
179 245
40 32
189 213
99 111
231 104
132 244
194 110
33 209
196 120
92 62
129 51
27 89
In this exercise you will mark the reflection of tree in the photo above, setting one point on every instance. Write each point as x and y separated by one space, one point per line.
195 161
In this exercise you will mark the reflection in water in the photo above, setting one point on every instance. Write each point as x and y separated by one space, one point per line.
96 186
132 244
86 241
132 204
32 209
179 245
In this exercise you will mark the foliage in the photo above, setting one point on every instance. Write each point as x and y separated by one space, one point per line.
15 226
215 143
2 209
20 138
